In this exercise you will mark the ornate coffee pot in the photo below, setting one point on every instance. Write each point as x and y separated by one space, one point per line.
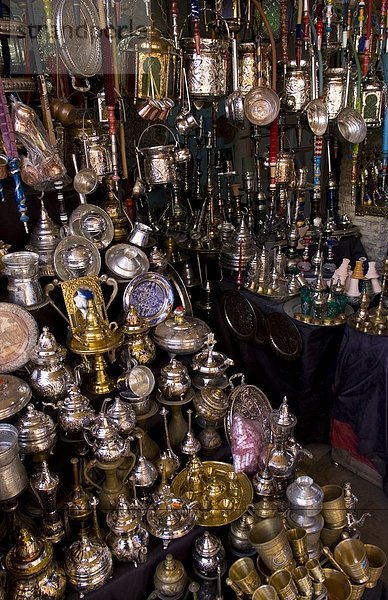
208 555
45 487
181 334
106 443
170 578
88 564
122 415
127 538
174 381
37 433
211 404
43 240
74 413
210 366
50 377
137 343
33 572
238 535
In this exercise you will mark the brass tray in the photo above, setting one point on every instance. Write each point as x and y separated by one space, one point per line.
236 493
293 306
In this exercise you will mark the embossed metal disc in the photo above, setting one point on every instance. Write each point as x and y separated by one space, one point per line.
239 315
152 296
15 394
284 336
18 336
79 44
93 223
75 256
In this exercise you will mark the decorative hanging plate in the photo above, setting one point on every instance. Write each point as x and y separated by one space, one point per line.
93 223
15 394
284 337
75 256
239 315
79 44
248 401
152 296
18 336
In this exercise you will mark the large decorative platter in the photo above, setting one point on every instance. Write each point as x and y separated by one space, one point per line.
234 489
93 223
239 315
248 401
15 394
18 336
284 337
152 296
81 252
292 307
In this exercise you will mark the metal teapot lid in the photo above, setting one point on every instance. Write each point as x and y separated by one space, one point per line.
75 400
14 395
34 426
304 492
29 556
134 324
122 519
103 427
47 349
282 416
208 545
214 398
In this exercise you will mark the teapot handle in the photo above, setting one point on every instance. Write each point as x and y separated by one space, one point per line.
235 376
114 285
50 287
86 432
88 467
128 471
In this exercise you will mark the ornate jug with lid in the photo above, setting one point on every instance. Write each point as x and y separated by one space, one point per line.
138 343
88 564
105 441
210 365
181 334
127 538
211 403
34 573
170 577
174 381
50 376
238 535
45 487
37 432
123 416
74 413
305 497
208 555
43 240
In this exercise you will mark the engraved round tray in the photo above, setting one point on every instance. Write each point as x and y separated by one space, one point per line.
18 336
93 223
15 394
248 401
236 494
152 296
292 307
239 315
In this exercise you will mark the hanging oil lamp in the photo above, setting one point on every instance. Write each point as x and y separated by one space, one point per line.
33 572
372 100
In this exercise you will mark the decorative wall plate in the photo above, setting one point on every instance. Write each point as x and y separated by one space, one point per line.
18 336
284 337
152 296
93 223
239 315
126 261
15 394
75 256
261 334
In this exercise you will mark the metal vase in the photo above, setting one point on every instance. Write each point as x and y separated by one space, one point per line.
22 269
13 477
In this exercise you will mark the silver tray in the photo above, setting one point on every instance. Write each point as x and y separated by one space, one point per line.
18 336
152 296
15 394
292 306
87 217
250 402
71 243
126 261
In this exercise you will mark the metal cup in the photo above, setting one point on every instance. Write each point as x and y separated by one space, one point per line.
298 541
337 585
284 585
333 507
331 537
303 581
358 590
377 561
315 570
269 538
185 122
265 592
139 235
244 575
351 556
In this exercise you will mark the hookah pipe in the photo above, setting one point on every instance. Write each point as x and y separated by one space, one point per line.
318 140
299 35
385 127
284 33
9 140
367 48
355 149
195 16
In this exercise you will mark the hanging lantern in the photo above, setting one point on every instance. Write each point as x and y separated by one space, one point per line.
372 101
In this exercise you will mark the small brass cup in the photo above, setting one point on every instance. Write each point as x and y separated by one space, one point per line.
265 592
284 585
315 570
303 581
333 507
244 575
298 541
337 585
331 537
269 539
358 590
351 556
377 561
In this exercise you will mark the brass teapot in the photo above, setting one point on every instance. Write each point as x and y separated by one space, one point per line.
137 342
34 573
